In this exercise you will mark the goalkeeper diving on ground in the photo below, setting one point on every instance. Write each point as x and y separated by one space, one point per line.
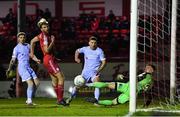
145 81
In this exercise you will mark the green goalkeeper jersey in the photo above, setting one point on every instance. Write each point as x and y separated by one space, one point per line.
124 88
144 84
141 85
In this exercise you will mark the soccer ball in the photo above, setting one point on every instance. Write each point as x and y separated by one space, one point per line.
79 80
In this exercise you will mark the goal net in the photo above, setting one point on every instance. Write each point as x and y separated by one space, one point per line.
154 46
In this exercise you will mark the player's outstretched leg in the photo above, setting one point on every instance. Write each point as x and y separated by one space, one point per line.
121 99
97 84
105 102
72 91
109 102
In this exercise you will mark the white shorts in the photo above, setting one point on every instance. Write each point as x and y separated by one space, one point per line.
26 72
89 76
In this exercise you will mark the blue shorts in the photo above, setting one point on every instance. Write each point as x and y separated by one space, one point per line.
26 72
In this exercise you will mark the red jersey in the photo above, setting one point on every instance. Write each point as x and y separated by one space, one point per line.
48 60
44 40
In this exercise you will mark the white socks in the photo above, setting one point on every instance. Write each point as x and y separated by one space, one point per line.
97 93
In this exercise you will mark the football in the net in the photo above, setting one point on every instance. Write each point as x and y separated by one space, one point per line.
79 80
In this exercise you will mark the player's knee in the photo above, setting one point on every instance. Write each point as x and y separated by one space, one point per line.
111 85
123 98
30 82
30 85
60 76
37 83
115 101
96 79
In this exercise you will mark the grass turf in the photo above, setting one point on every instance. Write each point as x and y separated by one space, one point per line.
78 107
48 107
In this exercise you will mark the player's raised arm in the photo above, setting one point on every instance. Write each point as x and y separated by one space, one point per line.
76 56
33 43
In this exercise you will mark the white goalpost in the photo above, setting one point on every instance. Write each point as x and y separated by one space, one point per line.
153 40
173 51
133 56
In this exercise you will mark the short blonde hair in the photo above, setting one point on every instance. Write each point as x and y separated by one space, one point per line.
21 33
41 22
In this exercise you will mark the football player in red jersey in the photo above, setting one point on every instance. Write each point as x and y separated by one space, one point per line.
49 61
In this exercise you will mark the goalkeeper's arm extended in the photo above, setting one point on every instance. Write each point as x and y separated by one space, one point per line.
145 83
146 86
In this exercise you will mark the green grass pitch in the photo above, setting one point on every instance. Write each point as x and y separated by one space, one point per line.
48 107
78 107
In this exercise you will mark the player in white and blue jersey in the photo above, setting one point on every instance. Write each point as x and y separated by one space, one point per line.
94 62
22 53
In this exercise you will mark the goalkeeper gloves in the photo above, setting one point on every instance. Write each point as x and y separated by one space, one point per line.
10 73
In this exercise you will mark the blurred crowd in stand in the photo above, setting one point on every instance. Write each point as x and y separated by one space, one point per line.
71 32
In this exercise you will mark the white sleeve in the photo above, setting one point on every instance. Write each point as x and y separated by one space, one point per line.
102 56
81 50
14 55
29 46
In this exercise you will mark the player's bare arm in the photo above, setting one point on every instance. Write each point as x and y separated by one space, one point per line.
76 57
103 64
12 62
36 59
33 41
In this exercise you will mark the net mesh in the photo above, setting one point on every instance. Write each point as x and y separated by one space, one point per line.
178 52
154 45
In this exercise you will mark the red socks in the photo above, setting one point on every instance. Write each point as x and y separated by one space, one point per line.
59 89
55 89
